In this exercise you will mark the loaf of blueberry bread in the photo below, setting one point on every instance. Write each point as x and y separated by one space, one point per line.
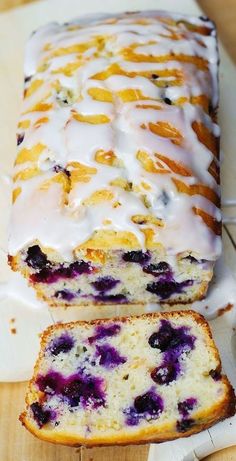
116 182
127 380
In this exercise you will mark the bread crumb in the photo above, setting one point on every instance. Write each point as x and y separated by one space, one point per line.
224 309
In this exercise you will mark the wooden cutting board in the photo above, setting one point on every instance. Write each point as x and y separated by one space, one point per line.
16 444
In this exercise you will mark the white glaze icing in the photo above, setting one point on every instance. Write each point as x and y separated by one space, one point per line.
39 214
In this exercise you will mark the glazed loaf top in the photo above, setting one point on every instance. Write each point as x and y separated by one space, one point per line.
117 141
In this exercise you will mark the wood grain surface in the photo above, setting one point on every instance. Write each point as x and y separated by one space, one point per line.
223 12
229 454
7 4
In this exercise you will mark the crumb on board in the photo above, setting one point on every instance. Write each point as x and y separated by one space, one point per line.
222 310
13 330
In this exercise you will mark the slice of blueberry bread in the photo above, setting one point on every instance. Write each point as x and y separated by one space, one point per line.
127 380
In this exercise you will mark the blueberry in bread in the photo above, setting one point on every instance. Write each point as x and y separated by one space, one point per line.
116 184
127 380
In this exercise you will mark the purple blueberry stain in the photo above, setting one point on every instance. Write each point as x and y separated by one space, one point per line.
106 283
109 357
186 406
48 275
65 294
158 269
139 257
105 331
169 338
84 390
149 402
36 258
41 415
77 389
191 259
166 373
49 383
215 374
166 288
165 338
194 260
74 269
184 425
44 276
20 138
118 298
132 417
73 391
63 343
172 342
146 406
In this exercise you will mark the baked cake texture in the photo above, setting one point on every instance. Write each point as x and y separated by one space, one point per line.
127 380
116 183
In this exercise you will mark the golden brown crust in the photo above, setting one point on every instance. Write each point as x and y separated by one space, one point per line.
199 318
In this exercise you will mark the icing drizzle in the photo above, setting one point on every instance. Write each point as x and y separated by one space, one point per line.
118 134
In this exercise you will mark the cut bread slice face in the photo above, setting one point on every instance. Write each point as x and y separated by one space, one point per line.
130 380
